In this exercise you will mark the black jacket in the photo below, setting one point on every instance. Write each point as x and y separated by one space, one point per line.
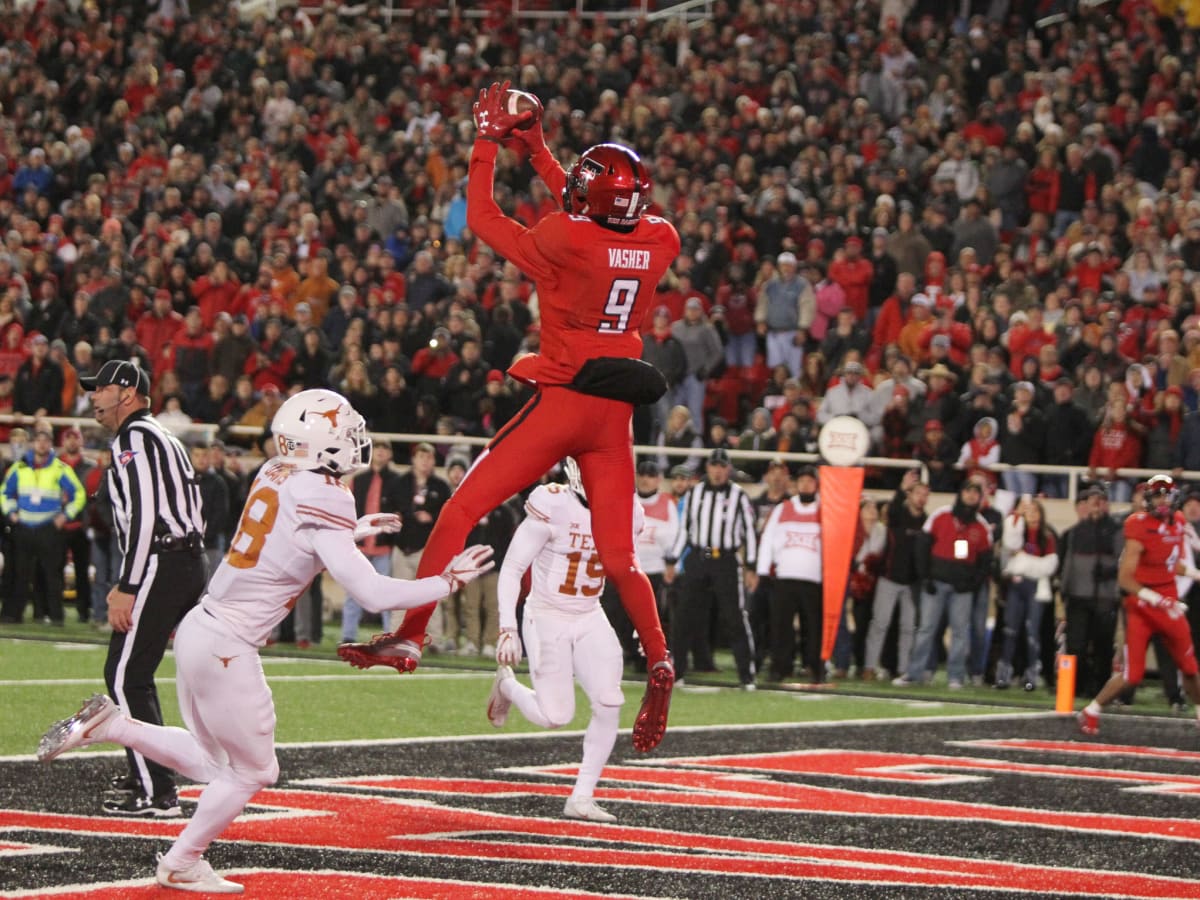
391 498
38 389
1068 435
430 499
904 529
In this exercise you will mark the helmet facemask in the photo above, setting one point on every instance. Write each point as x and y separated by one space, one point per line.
1159 496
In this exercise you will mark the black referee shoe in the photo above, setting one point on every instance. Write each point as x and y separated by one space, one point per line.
138 805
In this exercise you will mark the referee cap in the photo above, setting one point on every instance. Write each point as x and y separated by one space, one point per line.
719 457
120 372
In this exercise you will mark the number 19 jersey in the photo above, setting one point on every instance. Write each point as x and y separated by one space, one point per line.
271 560
567 576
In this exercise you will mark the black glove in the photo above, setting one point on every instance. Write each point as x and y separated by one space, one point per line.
928 587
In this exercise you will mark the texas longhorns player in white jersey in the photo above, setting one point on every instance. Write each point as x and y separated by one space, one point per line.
299 518
567 635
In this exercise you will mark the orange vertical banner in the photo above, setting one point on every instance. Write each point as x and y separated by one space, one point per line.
1064 700
840 491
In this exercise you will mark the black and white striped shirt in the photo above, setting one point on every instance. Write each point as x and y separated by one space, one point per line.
717 518
154 493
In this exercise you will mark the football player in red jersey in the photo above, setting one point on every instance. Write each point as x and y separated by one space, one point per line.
596 264
1155 544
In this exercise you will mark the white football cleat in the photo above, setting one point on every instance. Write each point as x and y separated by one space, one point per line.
86 727
499 705
586 809
199 877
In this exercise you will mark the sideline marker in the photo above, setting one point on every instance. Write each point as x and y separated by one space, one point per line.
1065 699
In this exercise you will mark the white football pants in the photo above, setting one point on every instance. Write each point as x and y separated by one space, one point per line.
230 738
563 648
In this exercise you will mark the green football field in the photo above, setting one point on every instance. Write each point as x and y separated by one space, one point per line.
319 698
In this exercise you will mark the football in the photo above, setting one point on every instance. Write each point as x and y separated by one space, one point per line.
517 102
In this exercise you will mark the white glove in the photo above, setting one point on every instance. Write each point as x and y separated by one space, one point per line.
1150 597
1177 610
379 523
468 566
508 647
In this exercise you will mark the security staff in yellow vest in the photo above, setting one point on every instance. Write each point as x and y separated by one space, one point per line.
41 494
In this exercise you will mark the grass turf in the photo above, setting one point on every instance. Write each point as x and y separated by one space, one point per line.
319 698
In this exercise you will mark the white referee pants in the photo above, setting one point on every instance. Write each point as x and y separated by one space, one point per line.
563 648
230 738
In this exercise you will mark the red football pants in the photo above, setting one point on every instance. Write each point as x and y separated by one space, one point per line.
1142 622
556 423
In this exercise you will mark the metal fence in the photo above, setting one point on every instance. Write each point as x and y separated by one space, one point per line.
1075 474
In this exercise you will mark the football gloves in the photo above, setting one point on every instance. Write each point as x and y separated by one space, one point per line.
467 566
508 647
492 121
379 523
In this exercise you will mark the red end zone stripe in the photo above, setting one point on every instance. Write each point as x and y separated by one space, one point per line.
424 829
268 884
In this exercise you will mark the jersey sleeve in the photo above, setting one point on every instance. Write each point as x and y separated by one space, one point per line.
541 503
323 504
531 536
505 235
1134 529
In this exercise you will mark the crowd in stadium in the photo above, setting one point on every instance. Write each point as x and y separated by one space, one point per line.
982 224
975 229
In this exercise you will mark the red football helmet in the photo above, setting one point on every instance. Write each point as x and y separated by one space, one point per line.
1160 495
608 183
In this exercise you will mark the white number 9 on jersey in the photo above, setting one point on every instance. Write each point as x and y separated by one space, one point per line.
621 298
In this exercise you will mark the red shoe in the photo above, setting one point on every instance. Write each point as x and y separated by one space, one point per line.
303 645
1088 723
401 654
651 722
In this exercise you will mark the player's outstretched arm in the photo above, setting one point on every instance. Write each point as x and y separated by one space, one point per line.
375 592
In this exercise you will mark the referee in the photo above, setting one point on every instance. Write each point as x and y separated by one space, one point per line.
160 532
716 522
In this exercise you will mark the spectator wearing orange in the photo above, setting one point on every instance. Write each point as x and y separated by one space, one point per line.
920 318
317 289
284 279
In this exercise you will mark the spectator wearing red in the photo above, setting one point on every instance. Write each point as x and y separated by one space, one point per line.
1115 446
432 363
945 334
1140 322
853 273
935 281
1027 335
894 314
985 127
151 157
157 328
1042 188
216 292
271 362
256 295
190 357
1091 270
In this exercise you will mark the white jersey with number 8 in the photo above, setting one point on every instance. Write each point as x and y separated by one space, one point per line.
295 523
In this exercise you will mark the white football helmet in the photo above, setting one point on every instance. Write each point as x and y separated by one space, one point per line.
319 429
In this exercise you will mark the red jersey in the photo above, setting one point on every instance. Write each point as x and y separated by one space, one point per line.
595 285
1162 548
